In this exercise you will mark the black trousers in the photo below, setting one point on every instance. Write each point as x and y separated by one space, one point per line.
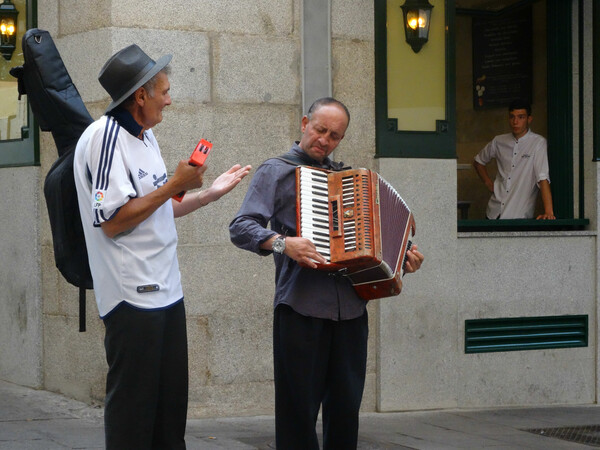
147 381
318 361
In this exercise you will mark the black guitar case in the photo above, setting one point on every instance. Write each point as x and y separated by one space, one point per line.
59 109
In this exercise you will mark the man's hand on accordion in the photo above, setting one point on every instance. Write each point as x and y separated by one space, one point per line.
414 259
302 250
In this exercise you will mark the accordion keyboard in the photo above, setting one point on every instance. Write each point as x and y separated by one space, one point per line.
314 211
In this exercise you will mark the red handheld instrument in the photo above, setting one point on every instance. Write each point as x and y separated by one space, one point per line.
197 158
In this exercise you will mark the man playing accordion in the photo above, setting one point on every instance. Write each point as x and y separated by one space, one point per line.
320 326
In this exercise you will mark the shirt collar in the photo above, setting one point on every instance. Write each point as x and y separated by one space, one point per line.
522 138
125 120
327 163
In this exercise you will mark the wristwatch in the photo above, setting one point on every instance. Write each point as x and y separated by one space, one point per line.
279 245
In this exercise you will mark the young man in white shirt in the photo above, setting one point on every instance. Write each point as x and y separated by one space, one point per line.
522 160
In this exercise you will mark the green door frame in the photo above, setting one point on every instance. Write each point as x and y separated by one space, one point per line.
560 106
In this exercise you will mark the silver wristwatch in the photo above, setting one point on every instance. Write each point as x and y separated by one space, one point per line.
279 245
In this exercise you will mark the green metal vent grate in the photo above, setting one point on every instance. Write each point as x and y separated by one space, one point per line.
525 333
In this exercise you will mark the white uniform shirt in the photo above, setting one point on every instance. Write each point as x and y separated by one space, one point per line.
140 266
522 164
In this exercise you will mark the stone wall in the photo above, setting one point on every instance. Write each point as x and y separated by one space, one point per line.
20 305
236 81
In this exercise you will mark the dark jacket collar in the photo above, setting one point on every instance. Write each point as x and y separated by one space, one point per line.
126 120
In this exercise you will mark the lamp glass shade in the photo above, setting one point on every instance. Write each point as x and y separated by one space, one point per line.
417 14
8 29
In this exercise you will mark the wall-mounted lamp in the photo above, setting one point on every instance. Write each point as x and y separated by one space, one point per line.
8 29
417 14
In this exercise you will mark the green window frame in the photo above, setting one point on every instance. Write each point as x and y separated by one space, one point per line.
561 152
394 143
24 151
441 144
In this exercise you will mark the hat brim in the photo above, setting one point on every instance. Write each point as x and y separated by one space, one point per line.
160 64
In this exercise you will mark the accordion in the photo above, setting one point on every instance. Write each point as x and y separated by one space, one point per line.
359 223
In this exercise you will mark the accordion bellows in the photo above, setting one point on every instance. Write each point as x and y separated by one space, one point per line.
359 223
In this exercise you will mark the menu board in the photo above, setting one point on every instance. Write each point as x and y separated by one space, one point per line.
502 59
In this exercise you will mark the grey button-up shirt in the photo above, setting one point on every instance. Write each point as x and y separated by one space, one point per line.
271 198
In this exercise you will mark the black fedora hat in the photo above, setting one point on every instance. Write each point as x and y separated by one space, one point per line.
126 71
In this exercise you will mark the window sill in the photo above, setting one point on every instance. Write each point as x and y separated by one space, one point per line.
522 225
